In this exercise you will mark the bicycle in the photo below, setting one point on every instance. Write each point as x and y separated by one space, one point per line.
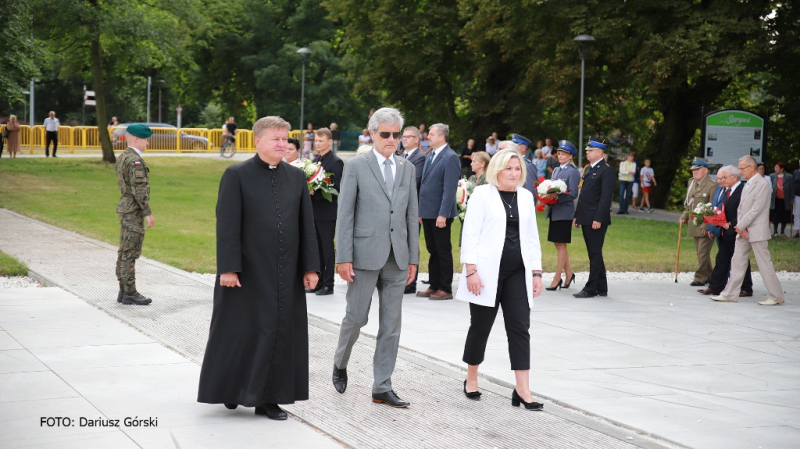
228 148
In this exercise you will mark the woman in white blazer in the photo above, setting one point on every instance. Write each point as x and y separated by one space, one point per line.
502 261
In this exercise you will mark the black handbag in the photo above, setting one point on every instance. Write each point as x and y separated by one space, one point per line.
5 133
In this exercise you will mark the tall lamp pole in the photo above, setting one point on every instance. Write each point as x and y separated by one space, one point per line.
583 41
160 85
303 52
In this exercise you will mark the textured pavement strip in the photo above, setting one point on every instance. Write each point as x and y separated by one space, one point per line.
439 415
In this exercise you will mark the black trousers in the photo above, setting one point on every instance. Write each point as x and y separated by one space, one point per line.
512 295
440 264
722 268
595 238
325 234
51 136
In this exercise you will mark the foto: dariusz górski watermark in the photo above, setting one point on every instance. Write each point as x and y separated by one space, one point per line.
64 421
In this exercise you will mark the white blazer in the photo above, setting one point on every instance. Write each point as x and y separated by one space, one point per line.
484 237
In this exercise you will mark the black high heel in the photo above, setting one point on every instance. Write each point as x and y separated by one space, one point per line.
474 395
557 287
571 280
516 400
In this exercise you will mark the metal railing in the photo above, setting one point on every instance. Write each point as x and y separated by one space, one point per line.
167 140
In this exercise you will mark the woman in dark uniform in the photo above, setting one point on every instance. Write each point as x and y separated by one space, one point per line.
562 212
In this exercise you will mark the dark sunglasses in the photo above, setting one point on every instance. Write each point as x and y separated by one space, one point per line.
386 134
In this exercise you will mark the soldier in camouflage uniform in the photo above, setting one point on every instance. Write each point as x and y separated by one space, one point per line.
133 209
700 190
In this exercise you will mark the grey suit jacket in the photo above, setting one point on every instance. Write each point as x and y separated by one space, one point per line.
369 223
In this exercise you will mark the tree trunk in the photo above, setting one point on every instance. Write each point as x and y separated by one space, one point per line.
100 96
671 143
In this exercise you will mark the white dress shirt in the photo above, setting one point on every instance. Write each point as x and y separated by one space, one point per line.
381 160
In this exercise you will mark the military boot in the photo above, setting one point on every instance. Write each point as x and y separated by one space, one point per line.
119 296
135 298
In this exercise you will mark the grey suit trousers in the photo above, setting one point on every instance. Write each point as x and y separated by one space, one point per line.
390 281
741 257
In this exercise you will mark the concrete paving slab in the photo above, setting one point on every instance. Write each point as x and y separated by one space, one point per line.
777 405
19 361
7 342
777 375
31 386
767 437
106 356
101 440
110 332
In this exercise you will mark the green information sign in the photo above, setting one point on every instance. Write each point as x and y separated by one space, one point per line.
730 134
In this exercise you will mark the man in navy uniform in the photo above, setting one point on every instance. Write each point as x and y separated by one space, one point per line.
593 215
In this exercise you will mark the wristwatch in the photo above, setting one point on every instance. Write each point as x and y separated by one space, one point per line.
537 275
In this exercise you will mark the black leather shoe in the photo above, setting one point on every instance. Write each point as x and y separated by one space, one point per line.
474 395
584 294
324 291
271 411
603 294
411 288
745 294
119 296
697 284
339 379
135 298
231 406
516 400
314 290
389 398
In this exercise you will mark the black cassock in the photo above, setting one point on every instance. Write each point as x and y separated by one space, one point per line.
257 350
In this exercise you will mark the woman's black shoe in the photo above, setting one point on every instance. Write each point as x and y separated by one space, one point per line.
474 395
557 287
571 280
516 400
231 406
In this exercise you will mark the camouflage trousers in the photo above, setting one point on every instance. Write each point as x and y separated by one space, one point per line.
131 237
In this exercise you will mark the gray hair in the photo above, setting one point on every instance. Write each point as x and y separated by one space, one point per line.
749 159
414 130
389 116
442 129
508 145
730 170
265 123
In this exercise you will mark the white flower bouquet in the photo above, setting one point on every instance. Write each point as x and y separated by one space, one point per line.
318 179
701 211
463 192
549 186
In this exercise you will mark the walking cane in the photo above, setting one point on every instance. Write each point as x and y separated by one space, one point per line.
678 258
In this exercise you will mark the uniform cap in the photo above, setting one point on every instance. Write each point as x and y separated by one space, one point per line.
139 130
520 139
597 142
699 162
566 146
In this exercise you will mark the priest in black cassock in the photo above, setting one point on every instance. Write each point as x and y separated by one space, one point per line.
257 352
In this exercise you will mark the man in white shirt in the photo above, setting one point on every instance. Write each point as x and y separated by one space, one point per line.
51 125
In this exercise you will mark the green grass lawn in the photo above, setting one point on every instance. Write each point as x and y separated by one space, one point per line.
10 266
81 195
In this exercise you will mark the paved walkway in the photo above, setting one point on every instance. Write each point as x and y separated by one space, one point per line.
654 357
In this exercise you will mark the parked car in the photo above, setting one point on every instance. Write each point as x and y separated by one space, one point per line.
163 138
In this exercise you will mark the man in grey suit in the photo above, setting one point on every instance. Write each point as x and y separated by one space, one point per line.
752 228
437 208
377 246
413 153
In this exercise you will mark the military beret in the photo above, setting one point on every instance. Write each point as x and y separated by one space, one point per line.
566 146
520 139
139 130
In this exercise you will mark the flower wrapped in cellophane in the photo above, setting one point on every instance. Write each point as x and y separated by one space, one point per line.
317 178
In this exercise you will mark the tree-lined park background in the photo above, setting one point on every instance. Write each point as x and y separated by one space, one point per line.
478 65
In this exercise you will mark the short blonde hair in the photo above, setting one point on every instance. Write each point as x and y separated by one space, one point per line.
482 156
499 163
265 123
324 132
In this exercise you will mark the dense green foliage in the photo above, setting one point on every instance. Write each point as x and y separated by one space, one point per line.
478 65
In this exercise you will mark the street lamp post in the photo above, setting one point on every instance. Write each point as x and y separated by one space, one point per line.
160 85
583 41
303 52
